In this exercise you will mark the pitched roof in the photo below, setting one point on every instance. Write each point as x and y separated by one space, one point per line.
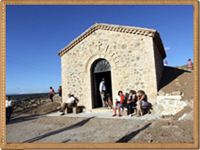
117 28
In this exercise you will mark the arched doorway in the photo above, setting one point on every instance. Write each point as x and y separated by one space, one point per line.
100 69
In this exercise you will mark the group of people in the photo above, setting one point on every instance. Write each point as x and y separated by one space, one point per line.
133 101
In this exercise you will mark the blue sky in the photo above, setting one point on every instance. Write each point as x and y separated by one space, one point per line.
35 34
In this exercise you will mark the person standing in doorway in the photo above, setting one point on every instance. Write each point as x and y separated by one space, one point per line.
102 90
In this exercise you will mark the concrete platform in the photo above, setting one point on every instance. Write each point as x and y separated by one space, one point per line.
105 113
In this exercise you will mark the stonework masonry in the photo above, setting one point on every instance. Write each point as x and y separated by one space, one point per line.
158 64
136 63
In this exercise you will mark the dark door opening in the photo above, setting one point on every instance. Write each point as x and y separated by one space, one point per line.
100 69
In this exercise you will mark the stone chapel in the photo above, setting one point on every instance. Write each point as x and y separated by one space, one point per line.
127 57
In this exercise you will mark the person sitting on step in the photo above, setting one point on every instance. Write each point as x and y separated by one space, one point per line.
118 104
70 102
142 103
131 102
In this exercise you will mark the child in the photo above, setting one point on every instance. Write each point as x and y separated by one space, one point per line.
118 103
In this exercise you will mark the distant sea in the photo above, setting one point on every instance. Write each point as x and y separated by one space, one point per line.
27 96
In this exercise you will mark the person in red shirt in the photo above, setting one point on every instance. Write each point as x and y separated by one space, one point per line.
51 93
118 104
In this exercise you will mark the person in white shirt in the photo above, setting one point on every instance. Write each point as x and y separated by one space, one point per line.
118 104
8 109
102 90
68 103
70 100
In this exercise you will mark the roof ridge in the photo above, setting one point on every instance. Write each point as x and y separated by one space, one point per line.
110 27
74 40
126 26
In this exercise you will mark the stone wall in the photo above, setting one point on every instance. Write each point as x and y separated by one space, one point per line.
131 58
159 64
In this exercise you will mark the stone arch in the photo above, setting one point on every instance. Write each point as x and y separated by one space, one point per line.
87 70
100 69
93 58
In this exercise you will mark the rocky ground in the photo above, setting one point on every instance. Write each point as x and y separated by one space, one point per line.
41 123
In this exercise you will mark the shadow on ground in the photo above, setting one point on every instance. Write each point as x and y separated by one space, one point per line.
65 141
77 125
18 118
23 118
131 135
169 74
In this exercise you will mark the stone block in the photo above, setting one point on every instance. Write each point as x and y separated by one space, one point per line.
169 106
